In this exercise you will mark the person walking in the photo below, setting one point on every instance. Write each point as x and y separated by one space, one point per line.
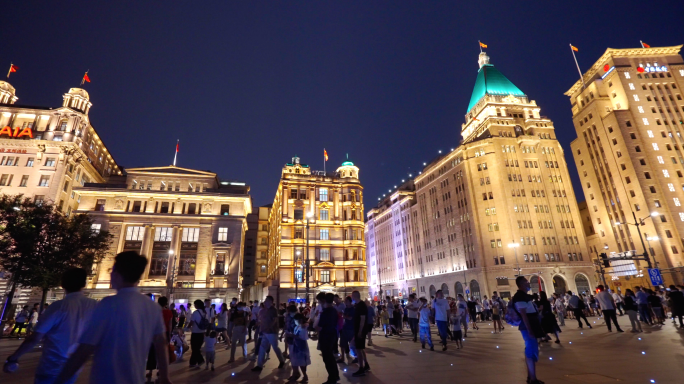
240 318
347 332
359 321
608 307
210 349
530 328
20 320
619 301
642 303
300 357
412 314
577 305
559 307
268 319
676 298
632 310
441 307
370 321
656 306
182 313
198 326
121 330
548 320
424 314
222 319
327 337
462 306
254 316
59 328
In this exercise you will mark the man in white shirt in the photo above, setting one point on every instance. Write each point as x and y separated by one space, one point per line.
441 307
59 328
607 304
413 307
253 319
619 301
121 330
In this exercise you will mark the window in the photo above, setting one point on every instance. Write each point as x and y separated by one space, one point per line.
29 162
58 138
223 234
135 233
24 181
190 235
95 228
324 214
655 147
671 187
50 162
299 233
186 264
225 209
641 109
645 120
323 195
666 173
676 202
325 234
325 276
44 181
325 255
631 86
660 160
163 233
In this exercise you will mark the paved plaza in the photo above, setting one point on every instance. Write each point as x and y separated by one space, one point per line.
584 356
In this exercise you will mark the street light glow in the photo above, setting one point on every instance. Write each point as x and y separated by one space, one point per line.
618 223
652 238
513 245
654 214
309 215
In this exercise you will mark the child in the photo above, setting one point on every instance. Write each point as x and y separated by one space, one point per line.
299 348
424 314
210 349
178 340
496 316
385 321
456 334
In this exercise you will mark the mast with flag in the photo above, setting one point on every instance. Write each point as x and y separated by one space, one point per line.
574 49
644 45
12 68
325 158
176 155
85 79
482 45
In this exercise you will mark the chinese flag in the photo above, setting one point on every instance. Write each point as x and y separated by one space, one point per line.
483 45
177 144
86 78
646 45
574 48
325 154
13 68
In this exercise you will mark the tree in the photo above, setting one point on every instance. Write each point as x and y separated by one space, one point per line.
38 243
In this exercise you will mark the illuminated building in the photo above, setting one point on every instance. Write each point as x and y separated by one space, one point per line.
190 225
332 203
46 152
506 183
256 254
629 114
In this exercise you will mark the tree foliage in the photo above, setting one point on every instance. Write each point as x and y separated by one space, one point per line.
38 243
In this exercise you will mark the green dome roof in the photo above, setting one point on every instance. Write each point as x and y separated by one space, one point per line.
347 163
491 82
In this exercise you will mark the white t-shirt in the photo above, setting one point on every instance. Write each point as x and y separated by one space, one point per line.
255 312
390 310
195 319
412 308
617 297
62 324
605 300
222 319
122 328
425 317
209 343
441 307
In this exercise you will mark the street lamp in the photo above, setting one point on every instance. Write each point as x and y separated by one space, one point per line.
648 240
173 274
309 216
515 249
297 266
637 224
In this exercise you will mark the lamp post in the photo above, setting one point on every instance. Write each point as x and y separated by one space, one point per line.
637 224
308 219
648 240
297 266
515 249
173 274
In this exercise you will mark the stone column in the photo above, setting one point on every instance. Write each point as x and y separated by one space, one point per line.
336 203
173 257
283 200
146 249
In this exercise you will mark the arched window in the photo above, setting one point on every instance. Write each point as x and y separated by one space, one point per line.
582 283
475 289
445 290
432 291
458 287
559 285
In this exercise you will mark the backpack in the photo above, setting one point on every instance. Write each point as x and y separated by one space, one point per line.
512 316
204 322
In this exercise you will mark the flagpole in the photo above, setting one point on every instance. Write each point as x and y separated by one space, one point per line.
83 79
10 70
324 161
642 44
578 68
480 44
176 154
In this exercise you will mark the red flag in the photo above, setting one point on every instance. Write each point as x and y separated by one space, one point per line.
325 154
13 68
645 45
177 144
86 78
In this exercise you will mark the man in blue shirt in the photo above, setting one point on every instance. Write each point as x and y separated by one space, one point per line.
524 304
642 303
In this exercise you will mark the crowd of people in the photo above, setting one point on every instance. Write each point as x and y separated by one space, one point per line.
156 334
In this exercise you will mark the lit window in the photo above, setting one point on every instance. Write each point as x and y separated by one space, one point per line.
325 255
96 228
323 193
641 109
660 160
325 276
677 203
627 75
655 147
163 234
189 235
650 133
135 233
44 181
681 73
223 234
681 215
645 120
671 187
325 234
636 97
324 214
666 173
631 86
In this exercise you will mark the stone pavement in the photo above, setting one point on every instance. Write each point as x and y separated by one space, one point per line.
584 356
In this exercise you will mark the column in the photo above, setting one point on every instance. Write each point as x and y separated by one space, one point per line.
146 248
336 203
174 249
283 200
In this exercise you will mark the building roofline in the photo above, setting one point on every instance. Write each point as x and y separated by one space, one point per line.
621 52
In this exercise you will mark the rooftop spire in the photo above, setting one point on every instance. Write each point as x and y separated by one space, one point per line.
483 59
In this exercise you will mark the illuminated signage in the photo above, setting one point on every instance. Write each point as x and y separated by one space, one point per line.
608 71
661 68
17 133
12 150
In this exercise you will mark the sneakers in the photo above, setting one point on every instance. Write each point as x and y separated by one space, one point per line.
212 367
444 347
257 369
281 365
432 348
360 372
619 330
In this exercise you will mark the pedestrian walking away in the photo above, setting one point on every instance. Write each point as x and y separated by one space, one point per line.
441 307
530 326
608 308
268 319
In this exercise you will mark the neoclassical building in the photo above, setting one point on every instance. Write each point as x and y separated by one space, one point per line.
498 205
628 111
189 224
332 205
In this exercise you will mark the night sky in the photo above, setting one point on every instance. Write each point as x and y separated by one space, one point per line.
245 85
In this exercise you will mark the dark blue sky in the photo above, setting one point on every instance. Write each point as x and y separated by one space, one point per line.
246 84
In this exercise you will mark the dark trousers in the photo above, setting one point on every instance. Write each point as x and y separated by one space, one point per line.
443 330
645 314
328 354
250 328
579 315
620 306
196 341
609 314
681 324
413 324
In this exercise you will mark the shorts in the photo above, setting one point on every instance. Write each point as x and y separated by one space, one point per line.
531 345
458 335
496 317
360 342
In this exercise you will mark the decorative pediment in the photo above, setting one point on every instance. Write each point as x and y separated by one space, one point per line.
323 205
325 264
